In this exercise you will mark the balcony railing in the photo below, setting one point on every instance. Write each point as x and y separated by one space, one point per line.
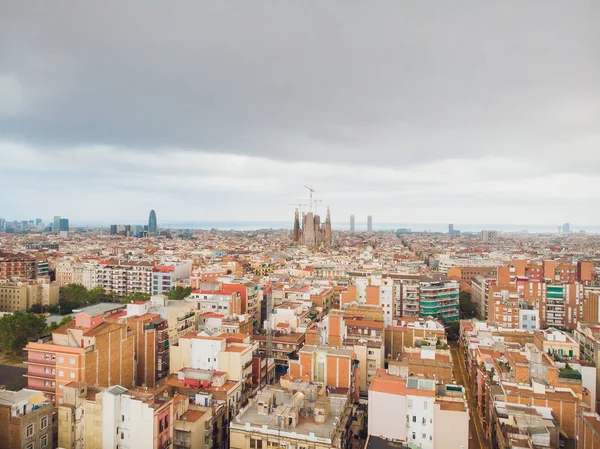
166 444
182 443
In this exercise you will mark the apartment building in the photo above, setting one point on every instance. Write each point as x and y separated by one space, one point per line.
217 301
87 349
80 417
136 419
216 354
165 277
27 420
439 300
192 425
294 417
22 295
181 316
17 265
467 274
324 365
426 414
263 370
554 341
588 430
124 278
517 425
151 341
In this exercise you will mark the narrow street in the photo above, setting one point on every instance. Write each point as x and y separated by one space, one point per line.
477 439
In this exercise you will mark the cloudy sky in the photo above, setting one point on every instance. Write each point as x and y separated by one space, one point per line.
462 111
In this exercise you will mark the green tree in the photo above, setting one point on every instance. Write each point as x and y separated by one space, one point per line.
179 292
96 295
18 328
134 297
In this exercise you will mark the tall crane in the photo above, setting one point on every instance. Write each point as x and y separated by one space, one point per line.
311 190
317 201
300 206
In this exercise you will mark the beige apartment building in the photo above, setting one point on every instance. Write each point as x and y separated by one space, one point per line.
26 420
279 418
19 296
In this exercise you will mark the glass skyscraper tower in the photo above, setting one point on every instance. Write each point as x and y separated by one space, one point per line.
152 227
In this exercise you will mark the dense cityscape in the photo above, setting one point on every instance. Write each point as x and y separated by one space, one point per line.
299 225
138 336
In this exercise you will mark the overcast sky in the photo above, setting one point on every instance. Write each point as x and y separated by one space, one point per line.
470 112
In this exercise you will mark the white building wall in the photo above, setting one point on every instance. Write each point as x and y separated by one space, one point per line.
451 430
386 415
420 411
204 354
386 300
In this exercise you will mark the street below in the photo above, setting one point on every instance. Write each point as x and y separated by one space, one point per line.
477 439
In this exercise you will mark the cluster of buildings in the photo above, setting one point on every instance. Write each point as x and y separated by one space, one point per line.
309 341
532 388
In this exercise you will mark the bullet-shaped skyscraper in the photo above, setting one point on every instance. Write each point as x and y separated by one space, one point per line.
369 224
152 226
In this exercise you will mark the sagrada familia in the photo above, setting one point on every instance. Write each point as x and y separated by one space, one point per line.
313 233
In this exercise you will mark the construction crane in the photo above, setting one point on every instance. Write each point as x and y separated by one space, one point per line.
317 201
300 206
311 190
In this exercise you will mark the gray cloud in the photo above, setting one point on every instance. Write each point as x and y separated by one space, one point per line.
406 110
397 81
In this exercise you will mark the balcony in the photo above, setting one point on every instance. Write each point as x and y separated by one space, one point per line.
166 444
185 317
43 388
41 362
41 375
182 443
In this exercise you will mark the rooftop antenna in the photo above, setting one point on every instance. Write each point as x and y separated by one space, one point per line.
311 190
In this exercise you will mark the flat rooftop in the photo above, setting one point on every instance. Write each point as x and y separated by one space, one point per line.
306 424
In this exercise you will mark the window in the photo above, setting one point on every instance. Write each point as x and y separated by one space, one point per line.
44 441
414 436
29 431
43 422
61 360
424 406
30 446
72 375
414 418
122 417
424 420
410 404
122 436
61 374
72 361
424 436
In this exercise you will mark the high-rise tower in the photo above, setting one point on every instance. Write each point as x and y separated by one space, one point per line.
369 224
352 224
296 235
152 226
328 229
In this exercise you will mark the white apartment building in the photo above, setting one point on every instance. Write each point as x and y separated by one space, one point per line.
124 278
135 420
164 277
425 414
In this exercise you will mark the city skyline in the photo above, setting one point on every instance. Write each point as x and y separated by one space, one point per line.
429 122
